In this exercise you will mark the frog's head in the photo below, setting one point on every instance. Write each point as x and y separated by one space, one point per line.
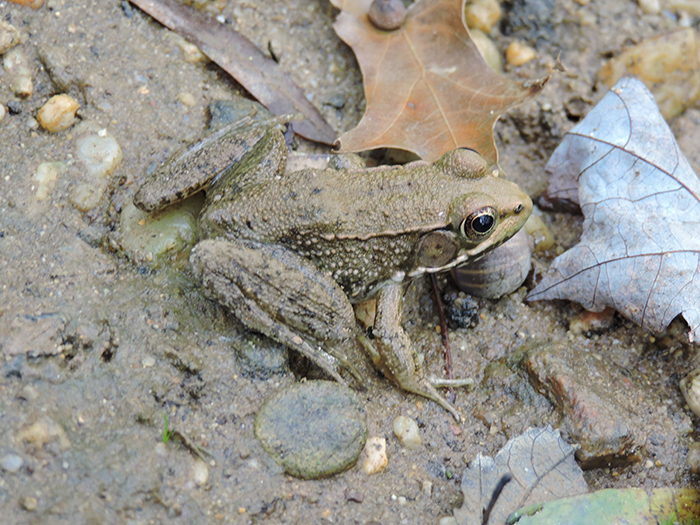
481 219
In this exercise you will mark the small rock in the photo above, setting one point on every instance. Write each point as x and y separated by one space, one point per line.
650 7
375 455
518 53
200 473
187 99
29 503
45 178
406 430
190 53
28 393
42 432
482 14
148 362
694 458
19 73
100 154
9 37
11 463
313 429
487 49
590 414
58 114
353 495
663 63
14 107
2 112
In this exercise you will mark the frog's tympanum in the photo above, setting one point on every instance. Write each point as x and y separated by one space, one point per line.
289 254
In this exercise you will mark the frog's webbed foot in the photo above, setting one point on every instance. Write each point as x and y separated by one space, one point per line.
393 352
275 292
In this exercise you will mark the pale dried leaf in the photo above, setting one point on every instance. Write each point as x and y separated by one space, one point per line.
542 466
639 252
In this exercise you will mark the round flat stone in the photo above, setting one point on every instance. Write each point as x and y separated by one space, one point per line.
313 429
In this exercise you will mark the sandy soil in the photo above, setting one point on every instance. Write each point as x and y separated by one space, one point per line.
129 342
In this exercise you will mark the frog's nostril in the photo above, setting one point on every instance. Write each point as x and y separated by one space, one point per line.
519 208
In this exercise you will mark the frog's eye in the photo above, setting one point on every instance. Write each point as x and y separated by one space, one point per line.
479 224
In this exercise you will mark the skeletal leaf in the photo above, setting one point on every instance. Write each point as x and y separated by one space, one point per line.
640 251
542 467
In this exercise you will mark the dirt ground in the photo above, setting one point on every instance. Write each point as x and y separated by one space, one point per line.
129 342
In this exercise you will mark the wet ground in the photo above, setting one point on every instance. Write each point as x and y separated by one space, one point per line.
95 348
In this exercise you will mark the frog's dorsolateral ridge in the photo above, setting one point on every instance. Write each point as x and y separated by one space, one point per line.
288 254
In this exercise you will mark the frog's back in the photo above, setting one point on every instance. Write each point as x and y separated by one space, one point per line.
338 204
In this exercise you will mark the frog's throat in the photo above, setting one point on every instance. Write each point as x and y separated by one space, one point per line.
463 257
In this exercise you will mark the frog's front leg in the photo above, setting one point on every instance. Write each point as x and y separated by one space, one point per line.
274 291
395 355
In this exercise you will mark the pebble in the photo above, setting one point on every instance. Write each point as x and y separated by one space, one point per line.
375 455
650 7
19 73
148 361
190 53
2 112
9 37
540 232
11 463
313 429
187 99
406 430
690 387
482 14
694 458
200 473
58 114
488 50
100 154
500 272
29 503
45 177
148 237
14 107
663 63
518 53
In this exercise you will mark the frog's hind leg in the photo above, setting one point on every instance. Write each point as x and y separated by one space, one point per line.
199 164
394 353
274 291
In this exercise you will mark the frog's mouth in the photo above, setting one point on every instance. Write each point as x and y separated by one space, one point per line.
465 255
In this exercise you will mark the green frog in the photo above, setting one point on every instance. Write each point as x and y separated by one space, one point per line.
289 254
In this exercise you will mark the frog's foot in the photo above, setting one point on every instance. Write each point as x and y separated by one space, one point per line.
273 291
393 352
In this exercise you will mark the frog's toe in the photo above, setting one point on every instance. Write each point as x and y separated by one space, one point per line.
439 382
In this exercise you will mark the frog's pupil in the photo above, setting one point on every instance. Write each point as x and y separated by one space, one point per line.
482 223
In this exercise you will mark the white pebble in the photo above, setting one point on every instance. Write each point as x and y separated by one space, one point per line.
45 178
2 112
9 37
148 361
650 7
200 473
11 463
375 455
19 73
406 430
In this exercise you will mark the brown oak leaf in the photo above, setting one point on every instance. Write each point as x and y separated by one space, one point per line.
428 89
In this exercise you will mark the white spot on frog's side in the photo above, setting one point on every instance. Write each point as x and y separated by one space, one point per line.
398 276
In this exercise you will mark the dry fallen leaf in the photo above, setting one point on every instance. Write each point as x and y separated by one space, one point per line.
639 252
542 467
239 57
428 89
